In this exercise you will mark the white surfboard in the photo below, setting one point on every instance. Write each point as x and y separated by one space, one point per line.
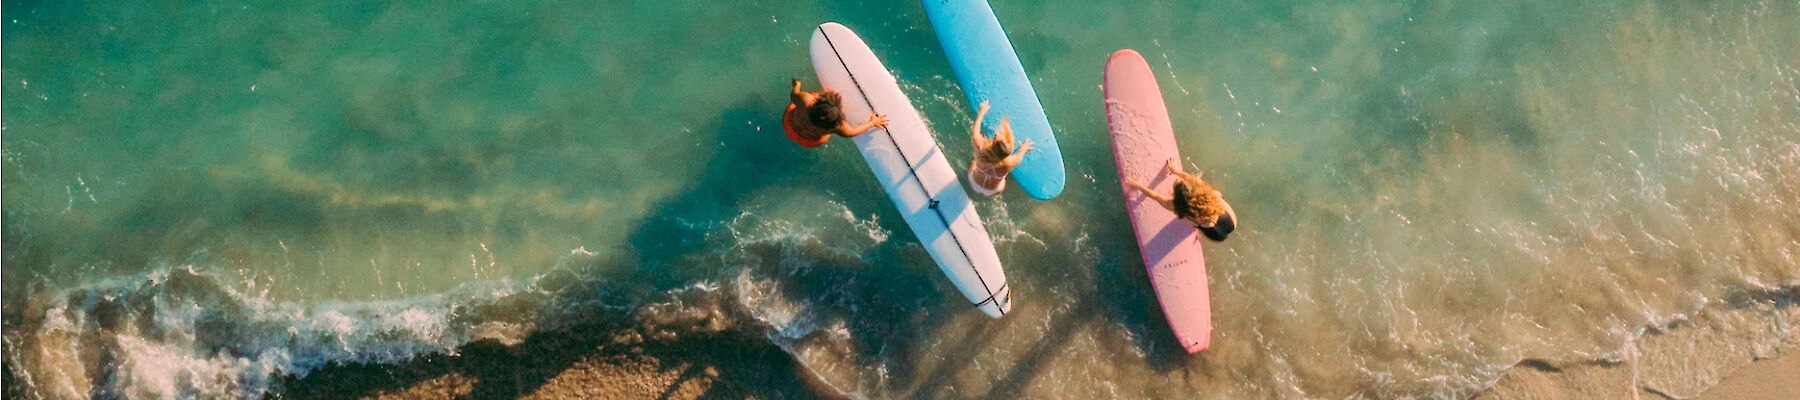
911 168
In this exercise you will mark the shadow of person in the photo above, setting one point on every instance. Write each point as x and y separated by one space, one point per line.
1027 368
1125 282
746 159
971 340
883 304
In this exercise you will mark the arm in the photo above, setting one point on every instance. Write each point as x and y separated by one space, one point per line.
851 131
980 113
1175 169
975 138
1018 156
1165 201
795 96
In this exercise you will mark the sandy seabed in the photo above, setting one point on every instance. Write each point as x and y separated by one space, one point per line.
1703 357
1775 378
1748 350
581 362
616 362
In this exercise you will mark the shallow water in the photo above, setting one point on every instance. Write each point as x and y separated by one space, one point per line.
198 195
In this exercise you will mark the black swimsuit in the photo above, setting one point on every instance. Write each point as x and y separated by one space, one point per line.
1220 229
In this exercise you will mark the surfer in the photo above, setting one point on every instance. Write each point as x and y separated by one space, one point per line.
821 118
1194 201
994 158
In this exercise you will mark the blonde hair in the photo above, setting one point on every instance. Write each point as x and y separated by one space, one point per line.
997 150
994 153
1195 200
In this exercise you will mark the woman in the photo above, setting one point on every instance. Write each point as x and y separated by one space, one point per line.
1196 202
994 158
821 117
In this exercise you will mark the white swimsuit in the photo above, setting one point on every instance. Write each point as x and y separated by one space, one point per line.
990 192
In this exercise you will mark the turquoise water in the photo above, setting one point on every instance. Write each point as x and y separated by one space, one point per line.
1431 191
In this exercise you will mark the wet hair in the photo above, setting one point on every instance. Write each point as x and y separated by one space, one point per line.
996 150
1196 200
825 112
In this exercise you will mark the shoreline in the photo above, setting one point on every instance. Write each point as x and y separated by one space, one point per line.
579 362
609 361
1720 353
1769 378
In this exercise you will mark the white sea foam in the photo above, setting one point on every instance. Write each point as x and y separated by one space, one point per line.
1454 188
184 333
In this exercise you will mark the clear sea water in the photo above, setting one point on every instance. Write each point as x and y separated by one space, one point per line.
198 195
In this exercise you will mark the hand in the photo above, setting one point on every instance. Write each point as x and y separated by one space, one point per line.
878 120
1025 146
984 107
1174 165
1133 182
796 84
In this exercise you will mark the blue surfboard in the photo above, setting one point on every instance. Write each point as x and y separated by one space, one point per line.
989 70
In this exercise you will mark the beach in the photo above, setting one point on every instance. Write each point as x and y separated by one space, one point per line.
1761 379
585 362
612 362
1665 365
601 362
1433 199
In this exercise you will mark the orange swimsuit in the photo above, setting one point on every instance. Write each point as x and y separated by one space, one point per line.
787 119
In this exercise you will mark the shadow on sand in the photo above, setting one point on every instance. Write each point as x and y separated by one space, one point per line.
878 293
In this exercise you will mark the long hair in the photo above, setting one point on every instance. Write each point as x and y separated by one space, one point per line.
825 111
1196 200
996 149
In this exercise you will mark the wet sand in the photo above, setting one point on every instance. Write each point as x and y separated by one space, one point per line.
616 361
585 362
1765 379
1703 358
1769 378
593 362
612 361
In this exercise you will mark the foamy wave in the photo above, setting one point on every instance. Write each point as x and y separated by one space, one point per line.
188 332
182 333
793 327
1001 227
801 241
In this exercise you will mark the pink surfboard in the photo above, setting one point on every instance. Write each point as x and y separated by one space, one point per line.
1143 141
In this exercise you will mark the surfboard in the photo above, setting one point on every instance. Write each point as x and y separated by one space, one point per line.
1143 141
912 168
988 69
